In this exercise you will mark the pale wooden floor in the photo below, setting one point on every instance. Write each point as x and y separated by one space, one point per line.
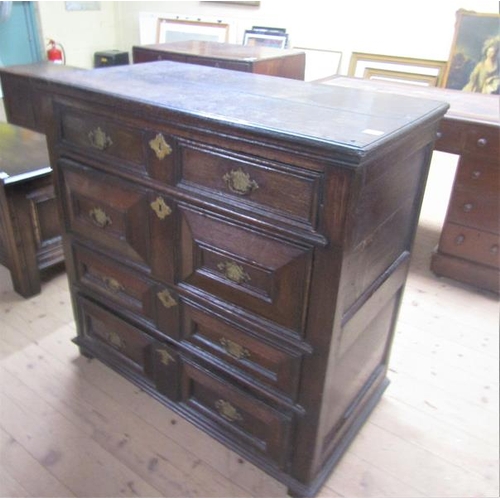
72 427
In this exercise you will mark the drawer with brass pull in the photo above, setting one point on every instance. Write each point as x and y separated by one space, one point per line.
261 274
140 150
244 419
255 358
121 216
244 181
123 340
156 304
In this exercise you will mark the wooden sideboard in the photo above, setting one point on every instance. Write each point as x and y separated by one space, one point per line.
237 245
468 249
30 233
261 60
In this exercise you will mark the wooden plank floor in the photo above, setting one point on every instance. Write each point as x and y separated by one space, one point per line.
72 427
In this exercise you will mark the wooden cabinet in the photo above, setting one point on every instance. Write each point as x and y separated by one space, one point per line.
241 255
30 232
469 245
250 59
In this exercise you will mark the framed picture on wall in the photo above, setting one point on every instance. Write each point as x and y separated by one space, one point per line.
266 37
176 30
474 63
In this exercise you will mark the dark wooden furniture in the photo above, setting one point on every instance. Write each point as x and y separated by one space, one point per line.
25 105
237 245
468 249
30 233
261 60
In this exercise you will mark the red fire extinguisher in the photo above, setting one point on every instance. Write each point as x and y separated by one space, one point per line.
55 53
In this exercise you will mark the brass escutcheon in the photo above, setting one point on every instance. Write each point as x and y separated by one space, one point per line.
160 208
228 411
115 340
160 146
239 182
166 299
165 357
113 285
99 217
233 272
234 350
99 140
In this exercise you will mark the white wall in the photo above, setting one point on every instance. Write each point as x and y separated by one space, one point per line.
422 29
81 33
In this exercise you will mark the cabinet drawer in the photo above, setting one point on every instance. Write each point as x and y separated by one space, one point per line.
129 290
100 135
237 415
449 137
475 209
242 181
122 217
264 275
483 141
232 346
131 345
478 175
470 244
140 151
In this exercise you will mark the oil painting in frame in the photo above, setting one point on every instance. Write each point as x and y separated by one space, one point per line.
474 63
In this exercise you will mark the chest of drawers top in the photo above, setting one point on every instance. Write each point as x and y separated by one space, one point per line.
339 120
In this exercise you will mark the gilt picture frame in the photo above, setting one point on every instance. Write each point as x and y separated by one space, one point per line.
176 30
475 33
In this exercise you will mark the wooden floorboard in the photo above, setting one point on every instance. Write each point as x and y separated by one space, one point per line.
72 427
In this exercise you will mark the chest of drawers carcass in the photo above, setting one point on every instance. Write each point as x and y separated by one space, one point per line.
237 245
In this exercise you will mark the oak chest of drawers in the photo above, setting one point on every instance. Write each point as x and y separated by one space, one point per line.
237 245
262 60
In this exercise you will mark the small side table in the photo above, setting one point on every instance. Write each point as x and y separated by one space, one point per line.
30 232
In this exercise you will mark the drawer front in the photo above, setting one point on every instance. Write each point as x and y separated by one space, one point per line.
266 276
236 414
483 141
254 358
449 137
242 181
95 133
478 175
121 339
128 290
476 209
220 63
470 244
140 151
121 217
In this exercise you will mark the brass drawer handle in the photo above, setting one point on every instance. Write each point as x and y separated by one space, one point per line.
165 357
459 240
99 139
476 174
112 284
160 208
482 142
228 411
494 250
115 340
99 217
234 350
160 146
467 207
166 299
239 182
234 272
